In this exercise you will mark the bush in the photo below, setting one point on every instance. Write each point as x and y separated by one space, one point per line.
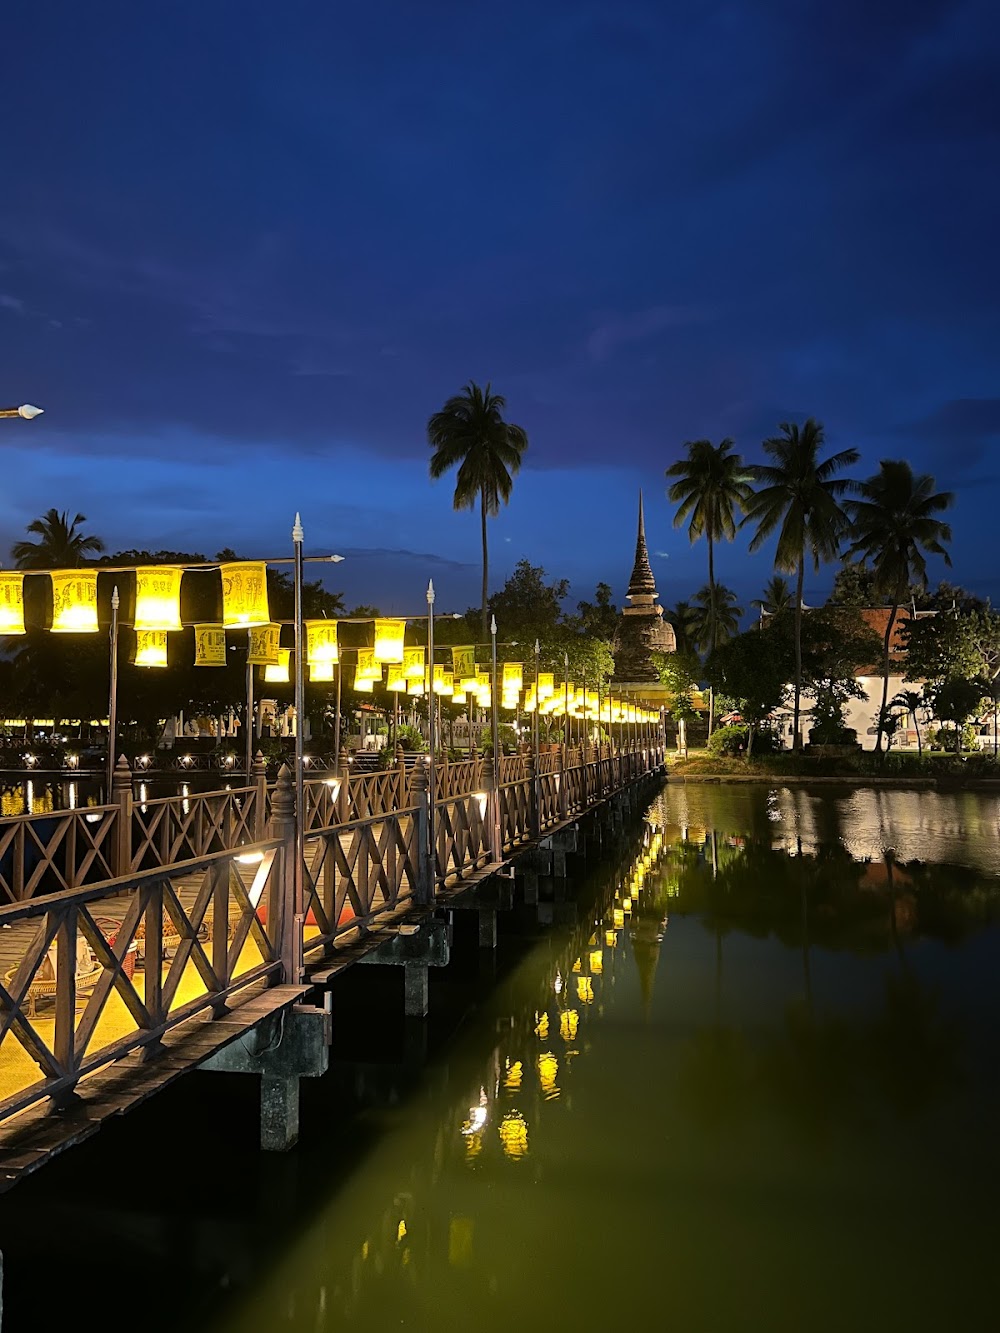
409 738
832 733
729 740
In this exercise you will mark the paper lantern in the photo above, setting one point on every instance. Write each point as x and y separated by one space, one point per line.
157 597
263 645
413 663
11 603
513 676
74 601
150 648
321 643
321 671
444 682
364 686
463 660
396 681
389 640
209 646
546 685
415 687
368 668
244 594
277 673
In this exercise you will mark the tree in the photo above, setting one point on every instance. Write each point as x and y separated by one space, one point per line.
680 673
955 700
711 485
964 645
854 585
894 525
754 668
777 596
61 546
470 433
599 617
683 618
718 616
910 702
526 607
799 496
835 646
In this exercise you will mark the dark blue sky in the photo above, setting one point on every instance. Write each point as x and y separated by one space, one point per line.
246 249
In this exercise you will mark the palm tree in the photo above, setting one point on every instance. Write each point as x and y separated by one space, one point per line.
908 701
470 433
894 525
62 544
800 495
717 615
777 597
711 485
684 618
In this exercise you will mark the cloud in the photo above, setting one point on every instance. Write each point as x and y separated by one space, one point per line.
620 330
13 303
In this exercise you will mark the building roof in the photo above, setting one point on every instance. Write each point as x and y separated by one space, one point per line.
642 583
877 618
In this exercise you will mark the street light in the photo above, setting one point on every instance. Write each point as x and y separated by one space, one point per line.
26 411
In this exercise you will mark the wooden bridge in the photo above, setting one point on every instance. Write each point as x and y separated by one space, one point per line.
141 939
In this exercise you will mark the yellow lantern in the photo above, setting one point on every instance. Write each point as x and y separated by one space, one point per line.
548 1070
618 918
151 647
597 962
209 645
585 990
11 603
443 682
263 645
546 685
157 597
513 677
569 1021
513 1132
368 668
413 663
74 601
396 681
415 687
610 938
364 686
463 660
389 640
244 594
277 673
321 671
321 643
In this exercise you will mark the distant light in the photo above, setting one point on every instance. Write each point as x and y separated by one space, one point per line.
250 858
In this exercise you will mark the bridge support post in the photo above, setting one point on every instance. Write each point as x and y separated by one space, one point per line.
534 803
279 1113
416 990
531 887
258 779
487 929
563 789
281 908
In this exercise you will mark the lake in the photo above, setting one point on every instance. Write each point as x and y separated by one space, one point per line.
742 1075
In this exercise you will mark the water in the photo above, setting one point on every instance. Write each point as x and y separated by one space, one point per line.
766 1100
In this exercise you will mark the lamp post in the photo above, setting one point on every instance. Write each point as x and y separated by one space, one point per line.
431 774
26 412
536 725
113 691
566 698
495 838
298 536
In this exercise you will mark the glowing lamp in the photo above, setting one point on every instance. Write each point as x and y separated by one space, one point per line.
150 647
263 645
415 687
396 681
443 683
463 660
368 668
546 685
364 685
513 676
413 663
209 646
244 594
74 601
277 673
389 640
321 643
11 603
157 597
321 671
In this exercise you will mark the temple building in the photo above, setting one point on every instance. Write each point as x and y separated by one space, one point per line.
642 630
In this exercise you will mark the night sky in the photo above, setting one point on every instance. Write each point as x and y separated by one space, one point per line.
246 249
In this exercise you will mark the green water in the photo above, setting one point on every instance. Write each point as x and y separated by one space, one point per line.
767 1100
777 1111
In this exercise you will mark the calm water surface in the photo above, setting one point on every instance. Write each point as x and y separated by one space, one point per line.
751 1086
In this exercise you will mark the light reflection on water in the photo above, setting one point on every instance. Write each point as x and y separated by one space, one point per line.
747 1100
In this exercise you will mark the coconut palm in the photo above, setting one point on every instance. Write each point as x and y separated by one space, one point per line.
717 617
683 617
894 526
799 495
777 597
61 546
710 486
908 701
470 433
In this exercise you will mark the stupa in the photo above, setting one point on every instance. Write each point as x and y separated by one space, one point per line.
642 631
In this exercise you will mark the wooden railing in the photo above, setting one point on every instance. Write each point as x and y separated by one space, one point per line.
75 1001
